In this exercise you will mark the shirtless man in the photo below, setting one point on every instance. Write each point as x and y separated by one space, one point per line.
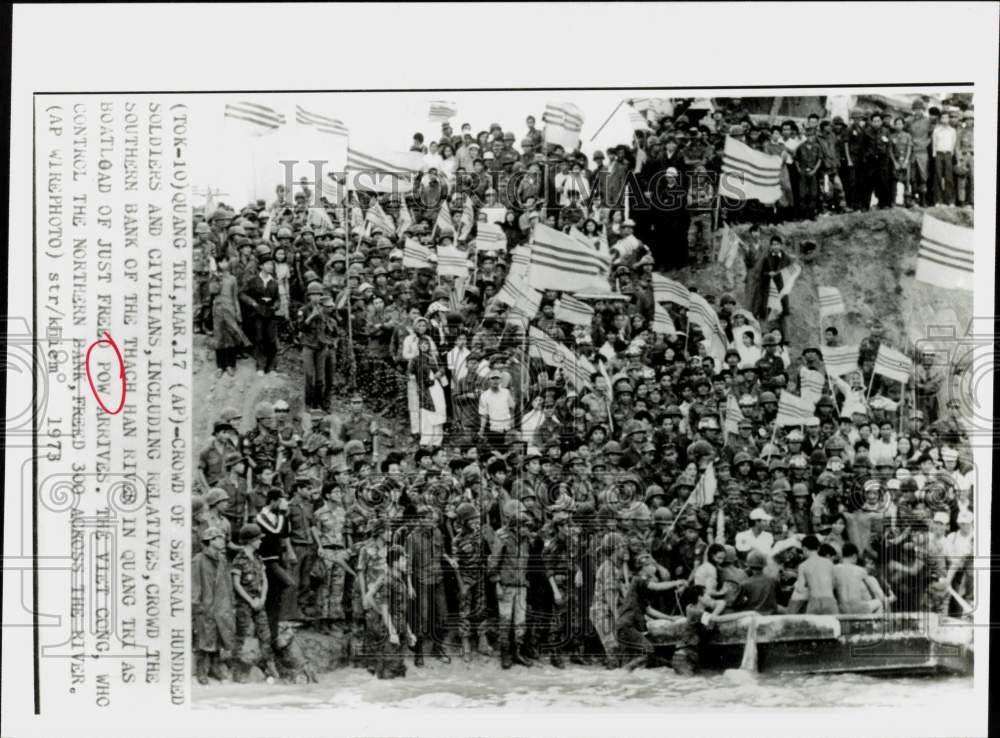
850 583
816 579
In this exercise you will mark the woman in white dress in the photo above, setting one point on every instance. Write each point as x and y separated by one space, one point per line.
432 410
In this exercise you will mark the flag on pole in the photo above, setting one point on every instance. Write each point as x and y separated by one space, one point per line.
452 262
793 410
748 174
729 249
667 290
563 123
260 120
490 237
376 217
946 257
733 415
841 360
831 302
562 262
703 315
388 174
704 491
516 294
441 111
662 322
321 123
468 219
576 369
405 218
415 254
444 224
571 310
893 364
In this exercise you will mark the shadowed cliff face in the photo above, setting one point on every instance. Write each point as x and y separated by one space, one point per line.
871 258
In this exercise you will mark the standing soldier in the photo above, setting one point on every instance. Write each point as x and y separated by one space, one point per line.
507 568
861 187
313 327
964 160
902 155
371 570
260 445
250 592
471 546
878 161
920 133
562 570
809 159
211 605
260 295
203 267
300 520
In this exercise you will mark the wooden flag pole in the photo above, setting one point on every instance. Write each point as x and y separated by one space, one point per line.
597 132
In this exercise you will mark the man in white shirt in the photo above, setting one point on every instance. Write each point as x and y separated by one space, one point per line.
882 449
943 141
496 411
958 548
757 537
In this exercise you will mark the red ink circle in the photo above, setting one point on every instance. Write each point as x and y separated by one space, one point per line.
121 373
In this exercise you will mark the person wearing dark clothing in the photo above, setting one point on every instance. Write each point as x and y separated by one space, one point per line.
260 296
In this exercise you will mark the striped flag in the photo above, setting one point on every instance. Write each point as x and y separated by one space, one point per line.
520 260
457 294
516 294
389 174
490 237
793 410
810 384
748 174
946 257
704 316
405 218
563 123
576 369
608 295
321 123
444 223
377 218
893 364
571 310
667 290
662 322
733 415
637 120
441 111
831 302
452 262
415 254
841 360
565 263
260 120
357 218
704 491
468 219
729 248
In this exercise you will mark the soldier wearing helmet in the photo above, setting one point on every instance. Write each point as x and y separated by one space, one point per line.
561 557
260 445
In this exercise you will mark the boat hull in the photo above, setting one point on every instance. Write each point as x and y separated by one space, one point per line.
898 643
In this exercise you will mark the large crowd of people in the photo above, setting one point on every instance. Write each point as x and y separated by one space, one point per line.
531 513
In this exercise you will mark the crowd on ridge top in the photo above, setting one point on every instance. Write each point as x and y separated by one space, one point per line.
535 515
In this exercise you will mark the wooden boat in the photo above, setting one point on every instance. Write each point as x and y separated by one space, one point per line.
895 643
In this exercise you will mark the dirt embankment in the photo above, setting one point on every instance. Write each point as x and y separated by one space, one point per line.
871 258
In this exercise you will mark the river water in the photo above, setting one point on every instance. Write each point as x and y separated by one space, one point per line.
485 685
